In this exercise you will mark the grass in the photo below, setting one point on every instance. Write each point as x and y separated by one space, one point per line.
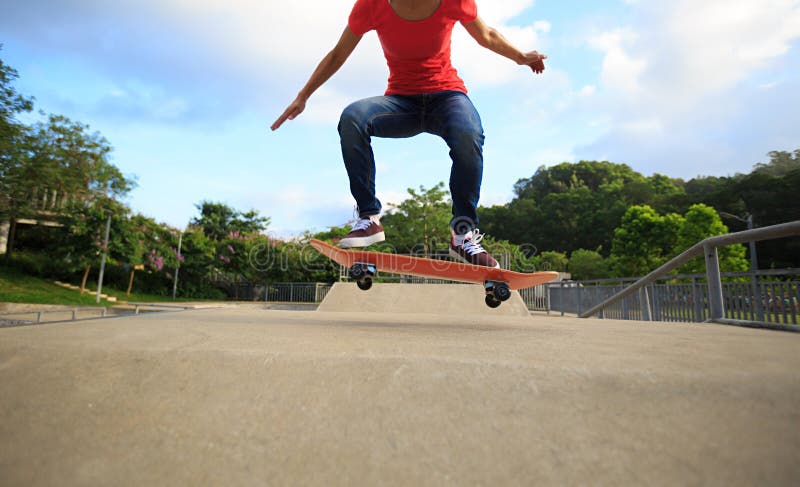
17 287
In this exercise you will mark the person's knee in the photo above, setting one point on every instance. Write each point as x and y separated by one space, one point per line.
353 117
466 136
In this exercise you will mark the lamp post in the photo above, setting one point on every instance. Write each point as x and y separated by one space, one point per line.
753 263
175 281
749 221
103 260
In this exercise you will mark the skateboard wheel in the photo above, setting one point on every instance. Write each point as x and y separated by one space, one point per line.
492 301
357 272
502 292
364 284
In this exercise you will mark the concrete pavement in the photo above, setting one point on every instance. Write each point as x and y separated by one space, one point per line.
246 396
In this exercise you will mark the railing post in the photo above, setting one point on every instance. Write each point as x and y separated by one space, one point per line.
547 297
715 299
644 301
757 298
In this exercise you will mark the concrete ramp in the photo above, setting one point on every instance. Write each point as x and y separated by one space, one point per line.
441 299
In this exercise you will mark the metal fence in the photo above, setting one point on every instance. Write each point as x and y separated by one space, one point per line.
718 304
770 296
278 292
537 298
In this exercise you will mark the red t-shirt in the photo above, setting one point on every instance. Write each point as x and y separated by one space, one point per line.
417 52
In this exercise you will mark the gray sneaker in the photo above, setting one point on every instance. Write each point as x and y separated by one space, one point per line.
366 231
467 248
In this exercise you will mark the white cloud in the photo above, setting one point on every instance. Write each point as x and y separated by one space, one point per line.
677 84
621 70
684 50
494 12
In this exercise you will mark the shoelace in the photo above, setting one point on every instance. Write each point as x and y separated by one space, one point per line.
362 224
473 245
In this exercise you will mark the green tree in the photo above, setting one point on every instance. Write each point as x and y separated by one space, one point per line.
196 262
11 146
219 220
699 223
11 103
587 264
552 261
638 245
421 222
570 206
781 163
60 162
84 224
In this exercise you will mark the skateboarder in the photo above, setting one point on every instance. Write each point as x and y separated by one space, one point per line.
425 94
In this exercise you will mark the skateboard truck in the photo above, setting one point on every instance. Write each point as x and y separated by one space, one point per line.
362 273
496 293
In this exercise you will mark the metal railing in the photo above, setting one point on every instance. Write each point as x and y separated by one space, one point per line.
537 298
637 295
767 296
79 313
278 292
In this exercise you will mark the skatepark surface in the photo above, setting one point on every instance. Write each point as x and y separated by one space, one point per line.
250 396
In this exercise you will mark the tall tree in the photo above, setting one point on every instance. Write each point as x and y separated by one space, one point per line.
219 220
11 134
639 241
587 264
59 161
700 222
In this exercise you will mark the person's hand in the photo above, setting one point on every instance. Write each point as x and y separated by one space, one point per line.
535 61
292 111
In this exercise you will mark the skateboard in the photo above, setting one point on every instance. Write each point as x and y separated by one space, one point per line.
363 265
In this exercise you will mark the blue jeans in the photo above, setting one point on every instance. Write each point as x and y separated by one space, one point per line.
448 114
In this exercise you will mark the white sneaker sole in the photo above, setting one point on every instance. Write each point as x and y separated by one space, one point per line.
354 242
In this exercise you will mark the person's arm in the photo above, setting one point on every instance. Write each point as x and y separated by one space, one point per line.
494 41
326 68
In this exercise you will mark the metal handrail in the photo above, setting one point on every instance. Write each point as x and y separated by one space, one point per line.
707 247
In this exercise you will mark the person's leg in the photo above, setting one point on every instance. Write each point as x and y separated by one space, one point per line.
380 116
452 116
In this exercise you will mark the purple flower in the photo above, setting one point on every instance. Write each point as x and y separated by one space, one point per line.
230 247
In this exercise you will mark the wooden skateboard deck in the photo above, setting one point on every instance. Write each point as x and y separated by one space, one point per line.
437 269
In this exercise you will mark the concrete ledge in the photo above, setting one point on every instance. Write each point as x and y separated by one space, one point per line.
441 299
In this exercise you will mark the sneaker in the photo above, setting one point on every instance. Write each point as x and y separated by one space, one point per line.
467 248
366 231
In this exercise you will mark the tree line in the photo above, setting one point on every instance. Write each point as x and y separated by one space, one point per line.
629 223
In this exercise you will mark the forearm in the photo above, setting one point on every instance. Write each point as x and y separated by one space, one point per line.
495 42
329 65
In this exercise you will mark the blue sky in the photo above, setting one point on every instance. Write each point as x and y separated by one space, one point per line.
185 92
